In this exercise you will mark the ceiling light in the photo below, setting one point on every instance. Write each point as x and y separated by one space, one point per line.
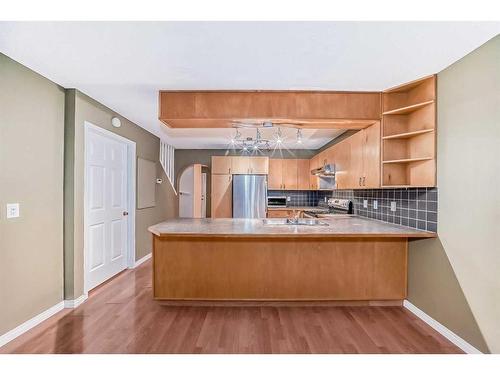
247 143
278 137
299 136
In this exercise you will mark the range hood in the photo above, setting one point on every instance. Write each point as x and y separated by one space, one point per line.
327 170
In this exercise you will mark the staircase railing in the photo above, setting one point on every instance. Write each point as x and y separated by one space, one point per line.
167 162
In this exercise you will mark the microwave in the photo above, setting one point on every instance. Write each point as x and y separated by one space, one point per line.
276 201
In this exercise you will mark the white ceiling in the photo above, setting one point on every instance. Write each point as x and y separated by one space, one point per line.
124 64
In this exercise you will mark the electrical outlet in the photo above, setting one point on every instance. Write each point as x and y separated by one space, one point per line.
12 210
288 199
375 205
393 206
365 203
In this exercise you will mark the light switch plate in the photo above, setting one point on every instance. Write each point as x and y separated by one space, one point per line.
393 206
365 203
375 205
12 210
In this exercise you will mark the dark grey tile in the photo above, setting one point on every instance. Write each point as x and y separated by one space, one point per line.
432 206
412 223
412 214
421 215
422 205
432 227
432 216
421 224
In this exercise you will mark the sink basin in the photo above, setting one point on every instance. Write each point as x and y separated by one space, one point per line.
310 222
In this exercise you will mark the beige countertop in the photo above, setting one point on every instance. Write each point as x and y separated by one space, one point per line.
341 226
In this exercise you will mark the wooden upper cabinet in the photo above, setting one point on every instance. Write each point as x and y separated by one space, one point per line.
259 165
313 180
303 173
355 171
313 109
275 176
222 196
343 178
240 165
371 157
221 164
289 174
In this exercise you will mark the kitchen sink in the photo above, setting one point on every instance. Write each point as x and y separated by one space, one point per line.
301 221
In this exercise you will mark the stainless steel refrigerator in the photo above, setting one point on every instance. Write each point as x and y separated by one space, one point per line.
249 196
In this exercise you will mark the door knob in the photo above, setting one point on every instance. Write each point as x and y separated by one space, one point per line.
125 213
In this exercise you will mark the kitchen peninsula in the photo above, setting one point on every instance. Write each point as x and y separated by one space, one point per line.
349 260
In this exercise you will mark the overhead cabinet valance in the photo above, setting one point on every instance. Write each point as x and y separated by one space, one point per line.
313 109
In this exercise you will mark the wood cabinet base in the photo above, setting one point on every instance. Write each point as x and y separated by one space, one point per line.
279 269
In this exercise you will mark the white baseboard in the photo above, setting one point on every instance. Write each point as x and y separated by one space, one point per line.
26 326
74 303
142 260
454 338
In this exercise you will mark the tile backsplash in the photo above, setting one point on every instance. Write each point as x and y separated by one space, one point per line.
415 207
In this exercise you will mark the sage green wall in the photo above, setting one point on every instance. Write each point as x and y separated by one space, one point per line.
147 147
468 248
31 173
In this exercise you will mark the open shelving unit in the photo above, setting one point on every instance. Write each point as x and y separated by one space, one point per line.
409 134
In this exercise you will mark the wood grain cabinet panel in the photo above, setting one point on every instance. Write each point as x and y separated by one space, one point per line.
275 177
355 171
303 173
221 164
371 157
259 165
222 196
289 174
240 165
313 180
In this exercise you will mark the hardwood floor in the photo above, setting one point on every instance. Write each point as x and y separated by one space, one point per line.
121 317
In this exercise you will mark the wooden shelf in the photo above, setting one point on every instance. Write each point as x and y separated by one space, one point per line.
407 109
408 134
406 160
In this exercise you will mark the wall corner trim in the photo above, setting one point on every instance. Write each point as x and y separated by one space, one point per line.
29 324
142 260
74 303
450 335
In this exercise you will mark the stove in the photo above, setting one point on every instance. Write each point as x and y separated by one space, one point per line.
335 206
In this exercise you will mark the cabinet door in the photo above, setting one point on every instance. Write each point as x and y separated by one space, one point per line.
371 157
275 177
303 173
222 196
259 165
313 180
356 170
240 165
278 213
289 174
221 164
342 164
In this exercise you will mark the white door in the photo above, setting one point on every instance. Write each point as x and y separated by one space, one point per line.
106 207
186 191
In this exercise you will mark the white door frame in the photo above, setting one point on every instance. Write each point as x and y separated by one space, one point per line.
131 166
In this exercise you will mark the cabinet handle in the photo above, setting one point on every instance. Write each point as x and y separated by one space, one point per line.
229 170
364 181
360 181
